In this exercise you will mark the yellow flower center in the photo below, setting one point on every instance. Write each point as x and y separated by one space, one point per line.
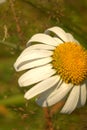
70 61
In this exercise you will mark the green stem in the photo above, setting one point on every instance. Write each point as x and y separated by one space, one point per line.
17 99
8 44
14 46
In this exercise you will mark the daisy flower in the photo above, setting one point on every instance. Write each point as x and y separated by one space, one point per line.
56 67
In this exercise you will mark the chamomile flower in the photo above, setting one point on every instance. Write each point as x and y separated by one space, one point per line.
56 66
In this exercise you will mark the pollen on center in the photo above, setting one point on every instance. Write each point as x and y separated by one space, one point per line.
70 61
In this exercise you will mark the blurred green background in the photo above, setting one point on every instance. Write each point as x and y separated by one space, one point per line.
19 20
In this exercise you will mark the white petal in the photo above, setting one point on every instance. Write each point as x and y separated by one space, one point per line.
70 37
72 100
42 38
55 96
59 32
41 87
32 64
76 41
44 95
39 47
58 40
83 93
35 75
31 55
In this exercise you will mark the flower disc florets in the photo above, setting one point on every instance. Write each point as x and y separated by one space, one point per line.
70 61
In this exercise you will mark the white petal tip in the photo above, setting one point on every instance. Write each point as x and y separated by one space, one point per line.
62 112
20 83
65 112
26 96
16 67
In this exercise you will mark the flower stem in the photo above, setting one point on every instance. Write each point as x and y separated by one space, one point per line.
8 44
17 100
48 119
19 30
48 113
